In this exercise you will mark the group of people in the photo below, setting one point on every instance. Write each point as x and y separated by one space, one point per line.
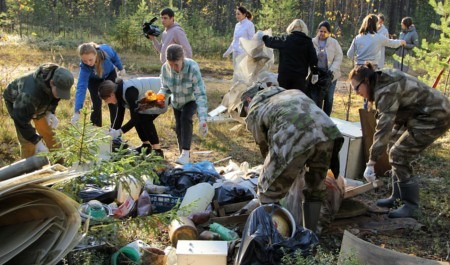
291 129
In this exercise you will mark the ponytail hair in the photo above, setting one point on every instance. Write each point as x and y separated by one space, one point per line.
245 12
94 48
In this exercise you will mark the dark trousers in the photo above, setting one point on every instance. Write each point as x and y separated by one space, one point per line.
96 114
183 124
292 81
146 129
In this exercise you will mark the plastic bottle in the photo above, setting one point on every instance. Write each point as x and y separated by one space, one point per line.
225 233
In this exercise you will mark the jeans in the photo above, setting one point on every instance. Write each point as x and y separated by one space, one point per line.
328 99
147 130
183 124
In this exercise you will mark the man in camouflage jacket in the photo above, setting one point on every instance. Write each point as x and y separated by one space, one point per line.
292 132
35 96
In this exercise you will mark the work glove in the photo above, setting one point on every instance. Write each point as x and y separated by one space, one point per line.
41 148
314 79
52 121
115 133
369 173
122 72
203 128
75 118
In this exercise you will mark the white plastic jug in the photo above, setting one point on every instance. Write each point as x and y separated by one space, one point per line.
135 190
198 197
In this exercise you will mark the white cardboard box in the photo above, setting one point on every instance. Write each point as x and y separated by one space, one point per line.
351 156
201 252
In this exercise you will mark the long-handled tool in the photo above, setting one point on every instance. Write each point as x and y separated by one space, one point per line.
403 55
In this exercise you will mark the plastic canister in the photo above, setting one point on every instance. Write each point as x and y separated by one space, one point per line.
134 191
132 252
225 233
196 199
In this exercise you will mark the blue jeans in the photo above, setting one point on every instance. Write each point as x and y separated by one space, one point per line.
328 99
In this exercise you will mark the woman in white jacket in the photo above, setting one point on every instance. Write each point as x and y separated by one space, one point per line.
329 55
243 29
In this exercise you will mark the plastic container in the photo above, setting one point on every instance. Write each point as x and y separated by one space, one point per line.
163 202
225 233
196 199
134 191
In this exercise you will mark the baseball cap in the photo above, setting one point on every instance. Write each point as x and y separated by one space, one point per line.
63 80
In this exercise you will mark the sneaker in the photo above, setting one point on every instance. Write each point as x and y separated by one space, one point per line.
140 149
183 159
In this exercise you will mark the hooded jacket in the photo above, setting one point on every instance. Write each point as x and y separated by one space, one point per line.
174 34
30 97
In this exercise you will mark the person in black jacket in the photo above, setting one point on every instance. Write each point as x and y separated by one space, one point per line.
297 55
129 94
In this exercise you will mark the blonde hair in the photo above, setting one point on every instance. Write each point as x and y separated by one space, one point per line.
297 25
93 48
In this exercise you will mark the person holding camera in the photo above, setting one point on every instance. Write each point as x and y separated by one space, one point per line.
173 34
182 80
128 94
98 63
34 97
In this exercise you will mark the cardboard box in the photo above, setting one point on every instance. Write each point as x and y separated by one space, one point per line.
202 252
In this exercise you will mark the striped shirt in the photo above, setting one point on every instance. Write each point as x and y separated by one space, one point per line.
185 86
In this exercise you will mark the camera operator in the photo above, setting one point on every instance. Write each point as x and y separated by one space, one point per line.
173 33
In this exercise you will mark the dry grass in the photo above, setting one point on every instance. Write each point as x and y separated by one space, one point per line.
232 139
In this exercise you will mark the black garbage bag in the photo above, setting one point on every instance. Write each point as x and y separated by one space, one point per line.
230 192
105 194
263 244
318 91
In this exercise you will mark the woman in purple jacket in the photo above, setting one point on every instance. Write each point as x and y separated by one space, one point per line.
98 63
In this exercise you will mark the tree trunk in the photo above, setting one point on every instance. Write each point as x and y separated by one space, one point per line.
3 7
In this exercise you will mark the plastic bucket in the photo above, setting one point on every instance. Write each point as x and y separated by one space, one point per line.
283 219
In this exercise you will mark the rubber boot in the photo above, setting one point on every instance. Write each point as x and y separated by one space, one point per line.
311 214
389 202
409 193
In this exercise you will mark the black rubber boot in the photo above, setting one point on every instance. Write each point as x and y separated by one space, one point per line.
311 214
409 193
389 202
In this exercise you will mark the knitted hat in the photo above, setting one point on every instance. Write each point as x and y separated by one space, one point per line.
325 24
63 80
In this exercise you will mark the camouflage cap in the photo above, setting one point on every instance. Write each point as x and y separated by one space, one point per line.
63 80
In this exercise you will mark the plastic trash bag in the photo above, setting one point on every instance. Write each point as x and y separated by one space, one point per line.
144 206
230 192
263 244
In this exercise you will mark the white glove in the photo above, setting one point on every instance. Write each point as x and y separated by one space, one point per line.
259 35
41 148
52 121
115 133
75 118
369 173
314 79
122 72
203 128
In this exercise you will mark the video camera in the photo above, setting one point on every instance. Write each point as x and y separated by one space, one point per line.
149 29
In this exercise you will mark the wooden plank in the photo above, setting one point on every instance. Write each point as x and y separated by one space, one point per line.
234 207
368 124
369 254
353 191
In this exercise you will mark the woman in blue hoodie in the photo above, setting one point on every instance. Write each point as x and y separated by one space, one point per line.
98 63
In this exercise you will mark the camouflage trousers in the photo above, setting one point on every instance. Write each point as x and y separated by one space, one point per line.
408 145
315 161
